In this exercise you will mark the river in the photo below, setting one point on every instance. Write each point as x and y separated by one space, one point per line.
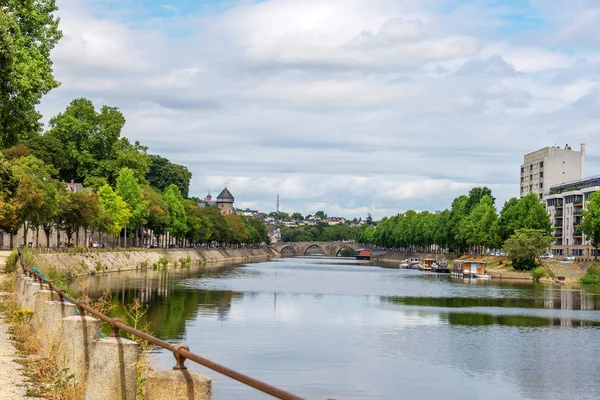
339 329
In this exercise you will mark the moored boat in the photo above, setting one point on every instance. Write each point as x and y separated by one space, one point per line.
468 268
414 263
441 267
428 264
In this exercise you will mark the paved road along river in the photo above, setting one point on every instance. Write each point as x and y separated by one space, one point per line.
330 328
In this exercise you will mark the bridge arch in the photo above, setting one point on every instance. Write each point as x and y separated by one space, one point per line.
314 249
288 251
351 249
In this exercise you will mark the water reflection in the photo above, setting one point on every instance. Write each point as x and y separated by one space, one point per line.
339 329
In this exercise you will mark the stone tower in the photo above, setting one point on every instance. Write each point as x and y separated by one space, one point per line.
225 202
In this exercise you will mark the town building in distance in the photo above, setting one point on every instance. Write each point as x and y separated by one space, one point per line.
551 166
556 176
224 201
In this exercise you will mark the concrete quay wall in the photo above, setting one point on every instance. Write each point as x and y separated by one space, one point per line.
108 260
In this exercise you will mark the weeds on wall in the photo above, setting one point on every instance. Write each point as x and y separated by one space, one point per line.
44 379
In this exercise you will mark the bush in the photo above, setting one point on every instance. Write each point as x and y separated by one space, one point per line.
538 273
11 262
592 276
163 261
523 264
347 252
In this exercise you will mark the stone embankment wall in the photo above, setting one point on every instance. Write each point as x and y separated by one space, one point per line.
102 261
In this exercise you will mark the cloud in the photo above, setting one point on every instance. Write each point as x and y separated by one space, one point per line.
352 106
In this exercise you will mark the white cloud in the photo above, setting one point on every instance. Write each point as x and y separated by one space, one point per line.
351 106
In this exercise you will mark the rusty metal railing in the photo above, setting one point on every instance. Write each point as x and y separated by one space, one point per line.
181 352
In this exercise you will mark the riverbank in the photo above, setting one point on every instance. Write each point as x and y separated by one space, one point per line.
12 381
498 267
96 262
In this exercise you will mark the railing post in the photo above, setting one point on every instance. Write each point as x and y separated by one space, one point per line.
112 368
78 335
178 383
51 315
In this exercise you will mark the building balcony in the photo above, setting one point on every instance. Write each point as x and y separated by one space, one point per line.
577 234
558 206
558 224
578 204
558 216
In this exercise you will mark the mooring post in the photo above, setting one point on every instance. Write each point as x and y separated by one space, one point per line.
30 289
112 370
78 336
51 315
179 383
41 297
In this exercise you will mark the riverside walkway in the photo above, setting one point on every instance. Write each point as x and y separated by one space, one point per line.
11 379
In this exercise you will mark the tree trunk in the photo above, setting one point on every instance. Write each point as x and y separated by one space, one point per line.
37 237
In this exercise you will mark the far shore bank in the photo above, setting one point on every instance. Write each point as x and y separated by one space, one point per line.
96 262
498 267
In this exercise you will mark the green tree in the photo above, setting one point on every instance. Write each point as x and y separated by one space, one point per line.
158 213
297 216
131 192
198 229
261 230
163 173
176 207
590 223
28 33
479 223
77 210
321 214
525 245
116 210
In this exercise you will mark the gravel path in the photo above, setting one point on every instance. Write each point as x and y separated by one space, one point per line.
11 379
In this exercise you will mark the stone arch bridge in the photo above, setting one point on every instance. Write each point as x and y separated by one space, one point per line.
298 249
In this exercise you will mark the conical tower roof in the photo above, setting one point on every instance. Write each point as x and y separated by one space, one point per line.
225 195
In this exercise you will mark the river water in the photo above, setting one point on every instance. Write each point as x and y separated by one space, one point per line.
340 329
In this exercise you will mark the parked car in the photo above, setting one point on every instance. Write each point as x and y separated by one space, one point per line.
547 256
569 257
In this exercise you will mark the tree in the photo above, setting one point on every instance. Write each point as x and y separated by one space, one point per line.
321 214
238 228
158 213
198 230
163 173
116 210
297 216
77 210
590 223
131 192
525 246
261 230
28 33
479 223
176 207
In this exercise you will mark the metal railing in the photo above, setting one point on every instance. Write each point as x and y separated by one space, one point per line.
181 352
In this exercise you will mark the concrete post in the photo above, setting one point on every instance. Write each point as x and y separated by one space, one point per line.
31 288
78 335
112 370
180 384
21 289
41 297
51 315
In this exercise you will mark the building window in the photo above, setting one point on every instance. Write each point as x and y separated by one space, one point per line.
541 174
541 185
541 164
522 169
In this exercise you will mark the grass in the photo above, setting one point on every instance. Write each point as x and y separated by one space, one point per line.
44 378
592 275
539 273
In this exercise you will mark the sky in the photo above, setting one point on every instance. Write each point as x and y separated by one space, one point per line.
347 106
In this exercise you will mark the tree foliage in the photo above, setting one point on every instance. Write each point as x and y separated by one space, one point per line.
28 33
525 245
590 223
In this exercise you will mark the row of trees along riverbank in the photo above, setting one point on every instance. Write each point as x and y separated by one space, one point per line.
133 191
471 224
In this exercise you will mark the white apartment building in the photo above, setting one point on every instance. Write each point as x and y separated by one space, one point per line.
551 166
565 203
